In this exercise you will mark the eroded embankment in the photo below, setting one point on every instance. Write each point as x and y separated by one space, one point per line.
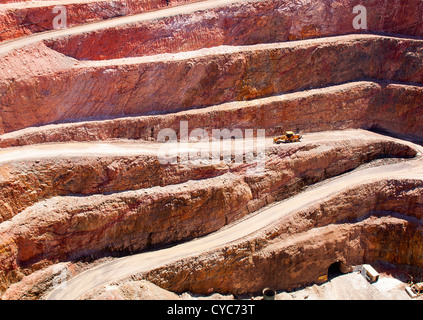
242 23
70 227
196 79
395 108
373 221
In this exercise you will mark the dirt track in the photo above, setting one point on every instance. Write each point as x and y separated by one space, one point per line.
49 150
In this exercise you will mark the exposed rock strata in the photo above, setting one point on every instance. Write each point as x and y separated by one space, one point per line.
376 221
70 227
198 79
394 108
133 203
275 20
24 183
34 285
243 23
22 20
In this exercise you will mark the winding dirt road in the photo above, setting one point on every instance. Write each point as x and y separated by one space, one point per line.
124 267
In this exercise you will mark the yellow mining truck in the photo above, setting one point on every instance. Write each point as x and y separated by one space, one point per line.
288 136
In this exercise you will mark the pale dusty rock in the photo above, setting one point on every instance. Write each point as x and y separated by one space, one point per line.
143 290
35 285
137 290
351 286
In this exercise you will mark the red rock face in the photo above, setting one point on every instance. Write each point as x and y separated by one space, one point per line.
355 227
369 105
21 21
163 208
405 103
205 78
233 66
244 24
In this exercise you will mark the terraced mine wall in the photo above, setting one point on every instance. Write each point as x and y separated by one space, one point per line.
394 108
197 79
218 68
243 23
18 21
71 227
276 20
375 221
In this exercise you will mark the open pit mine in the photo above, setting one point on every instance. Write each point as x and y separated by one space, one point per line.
214 149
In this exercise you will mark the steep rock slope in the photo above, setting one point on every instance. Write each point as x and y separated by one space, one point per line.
198 79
